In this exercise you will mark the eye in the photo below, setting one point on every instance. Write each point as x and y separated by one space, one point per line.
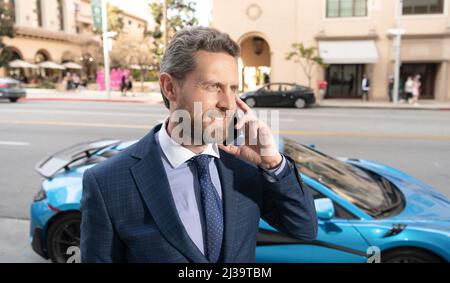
213 87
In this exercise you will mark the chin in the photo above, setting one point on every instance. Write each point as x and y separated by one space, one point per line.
210 130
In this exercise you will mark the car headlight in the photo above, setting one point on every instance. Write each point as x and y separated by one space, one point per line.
41 195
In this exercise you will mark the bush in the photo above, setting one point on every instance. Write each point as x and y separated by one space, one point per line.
46 85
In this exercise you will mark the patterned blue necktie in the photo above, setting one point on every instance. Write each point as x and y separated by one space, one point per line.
212 208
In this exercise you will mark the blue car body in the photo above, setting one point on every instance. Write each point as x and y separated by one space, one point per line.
423 222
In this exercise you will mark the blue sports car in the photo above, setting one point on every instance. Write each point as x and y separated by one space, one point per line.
368 212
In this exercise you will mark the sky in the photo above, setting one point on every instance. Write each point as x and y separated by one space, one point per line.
140 8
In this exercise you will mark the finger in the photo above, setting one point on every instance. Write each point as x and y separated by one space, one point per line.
242 105
253 132
248 117
241 122
231 149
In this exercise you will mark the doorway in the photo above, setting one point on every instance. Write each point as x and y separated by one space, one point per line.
427 72
344 81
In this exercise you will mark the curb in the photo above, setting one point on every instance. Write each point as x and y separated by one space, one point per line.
384 107
91 100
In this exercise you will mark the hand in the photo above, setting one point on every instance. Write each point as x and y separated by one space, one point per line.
259 147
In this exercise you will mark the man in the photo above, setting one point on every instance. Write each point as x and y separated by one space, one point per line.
365 87
172 197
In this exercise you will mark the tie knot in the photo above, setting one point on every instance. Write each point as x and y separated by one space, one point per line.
201 161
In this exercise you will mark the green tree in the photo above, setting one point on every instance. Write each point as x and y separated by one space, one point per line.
180 14
115 21
6 29
307 58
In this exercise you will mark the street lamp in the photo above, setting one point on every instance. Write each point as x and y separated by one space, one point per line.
106 48
397 33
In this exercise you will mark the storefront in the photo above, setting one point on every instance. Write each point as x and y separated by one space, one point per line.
344 80
346 69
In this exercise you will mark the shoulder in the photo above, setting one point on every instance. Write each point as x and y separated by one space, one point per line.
115 168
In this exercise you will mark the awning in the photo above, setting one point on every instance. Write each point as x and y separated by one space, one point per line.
21 64
348 52
72 65
51 65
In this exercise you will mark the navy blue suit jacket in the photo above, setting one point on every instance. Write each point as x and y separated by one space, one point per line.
128 213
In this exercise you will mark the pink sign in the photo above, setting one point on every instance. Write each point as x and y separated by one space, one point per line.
116 78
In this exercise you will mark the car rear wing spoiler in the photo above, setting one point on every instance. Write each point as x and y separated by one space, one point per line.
51 165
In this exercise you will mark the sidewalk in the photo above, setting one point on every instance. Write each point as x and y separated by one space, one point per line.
355 103
155 98
14 242
89 95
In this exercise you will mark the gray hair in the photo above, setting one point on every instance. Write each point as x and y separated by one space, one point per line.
179 57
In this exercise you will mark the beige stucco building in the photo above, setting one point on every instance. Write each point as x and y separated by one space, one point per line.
351 36
59 31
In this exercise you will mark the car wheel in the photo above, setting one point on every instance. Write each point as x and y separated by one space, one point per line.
13 100
300 103
63 233
251 102
409 255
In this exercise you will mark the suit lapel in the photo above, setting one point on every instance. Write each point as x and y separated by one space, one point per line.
230 208
151 180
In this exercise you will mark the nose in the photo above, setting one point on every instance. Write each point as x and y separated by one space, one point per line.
227 100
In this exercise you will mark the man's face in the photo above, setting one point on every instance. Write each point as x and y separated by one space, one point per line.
213 85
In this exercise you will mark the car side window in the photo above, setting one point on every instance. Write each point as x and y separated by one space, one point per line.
339 211
267 88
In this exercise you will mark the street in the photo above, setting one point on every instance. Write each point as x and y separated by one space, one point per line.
415 141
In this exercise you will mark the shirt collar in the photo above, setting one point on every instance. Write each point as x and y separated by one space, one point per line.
175 153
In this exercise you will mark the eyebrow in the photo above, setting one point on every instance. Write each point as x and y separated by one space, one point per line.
212 82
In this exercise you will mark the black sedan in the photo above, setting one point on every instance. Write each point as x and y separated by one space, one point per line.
280 94
11 89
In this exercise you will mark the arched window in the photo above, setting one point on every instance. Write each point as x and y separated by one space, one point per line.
39 12
61 14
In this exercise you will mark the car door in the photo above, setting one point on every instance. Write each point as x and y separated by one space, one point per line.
268 95
285 95
337 242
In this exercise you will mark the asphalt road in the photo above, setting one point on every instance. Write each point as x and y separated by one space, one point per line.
415 141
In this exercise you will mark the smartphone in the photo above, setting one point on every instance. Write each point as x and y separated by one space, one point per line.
237 137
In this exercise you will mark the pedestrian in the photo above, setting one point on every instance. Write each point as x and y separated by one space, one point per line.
351 83
84 82
123 85
76 81
409 84
69 81
130 85
266 78
391 87
365 87
416 90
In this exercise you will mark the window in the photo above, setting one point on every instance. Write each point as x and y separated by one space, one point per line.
39 12
419 7
61 14
346 8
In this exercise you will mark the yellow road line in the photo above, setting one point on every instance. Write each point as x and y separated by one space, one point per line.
365 135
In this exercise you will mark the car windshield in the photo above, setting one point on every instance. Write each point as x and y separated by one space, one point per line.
350 182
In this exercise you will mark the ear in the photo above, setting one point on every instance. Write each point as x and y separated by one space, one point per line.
168 85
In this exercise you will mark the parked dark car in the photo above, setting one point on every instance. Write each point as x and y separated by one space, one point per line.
280 95
11 89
